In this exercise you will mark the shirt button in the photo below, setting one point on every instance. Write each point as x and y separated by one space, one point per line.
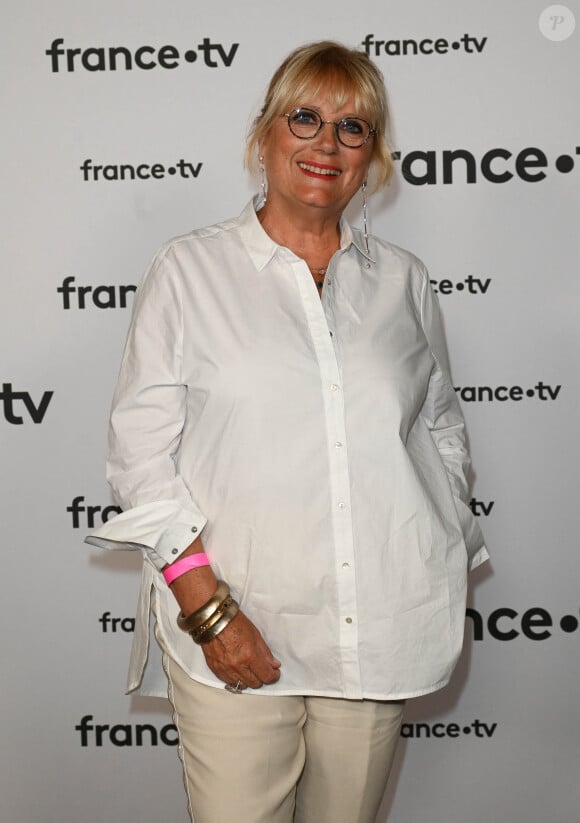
330 333
194 529
338 445
348 620
329 281
174 551
334 387
341 505
346 565
367 265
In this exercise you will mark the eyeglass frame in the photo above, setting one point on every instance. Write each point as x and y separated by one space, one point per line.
335 123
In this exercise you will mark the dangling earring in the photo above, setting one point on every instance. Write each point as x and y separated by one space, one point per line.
365 217
263 178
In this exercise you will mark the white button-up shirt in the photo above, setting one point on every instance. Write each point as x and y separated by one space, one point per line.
316 445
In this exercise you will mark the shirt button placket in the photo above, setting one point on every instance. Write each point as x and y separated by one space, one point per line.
340 501
344 546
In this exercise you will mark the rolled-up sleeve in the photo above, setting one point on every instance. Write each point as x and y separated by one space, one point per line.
444 418
159 515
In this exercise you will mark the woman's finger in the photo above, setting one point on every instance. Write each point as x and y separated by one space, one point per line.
248 676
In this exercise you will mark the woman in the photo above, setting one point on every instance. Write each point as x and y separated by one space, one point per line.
285 423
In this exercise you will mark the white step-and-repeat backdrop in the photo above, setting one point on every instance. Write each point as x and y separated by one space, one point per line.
123 123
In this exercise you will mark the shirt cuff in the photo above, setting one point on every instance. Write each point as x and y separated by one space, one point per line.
162 530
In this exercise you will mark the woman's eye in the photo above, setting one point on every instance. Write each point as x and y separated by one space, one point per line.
352 126
305 118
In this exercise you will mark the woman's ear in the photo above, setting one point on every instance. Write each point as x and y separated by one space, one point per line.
262 146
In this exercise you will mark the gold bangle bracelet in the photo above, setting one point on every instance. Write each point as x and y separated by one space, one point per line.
199 630
226 618
199 616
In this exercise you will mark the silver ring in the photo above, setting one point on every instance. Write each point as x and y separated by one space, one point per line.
234 689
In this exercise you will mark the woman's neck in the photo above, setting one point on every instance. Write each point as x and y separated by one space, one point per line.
313 235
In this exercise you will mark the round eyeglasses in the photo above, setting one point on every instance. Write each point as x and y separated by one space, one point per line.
352 132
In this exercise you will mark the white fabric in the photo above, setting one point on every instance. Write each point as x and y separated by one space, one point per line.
318 444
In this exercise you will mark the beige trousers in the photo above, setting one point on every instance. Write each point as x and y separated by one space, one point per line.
266 759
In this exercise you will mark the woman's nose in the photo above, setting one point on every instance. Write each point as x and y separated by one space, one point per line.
326 137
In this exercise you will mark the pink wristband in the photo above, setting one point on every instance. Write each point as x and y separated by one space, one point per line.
192 561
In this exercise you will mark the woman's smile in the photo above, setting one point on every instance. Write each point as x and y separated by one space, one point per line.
319 169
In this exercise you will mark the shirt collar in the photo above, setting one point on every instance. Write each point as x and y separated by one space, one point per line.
262 248
353 237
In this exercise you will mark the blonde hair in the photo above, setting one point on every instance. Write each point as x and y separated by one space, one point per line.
345 73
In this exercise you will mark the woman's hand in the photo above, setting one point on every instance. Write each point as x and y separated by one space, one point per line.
239 653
